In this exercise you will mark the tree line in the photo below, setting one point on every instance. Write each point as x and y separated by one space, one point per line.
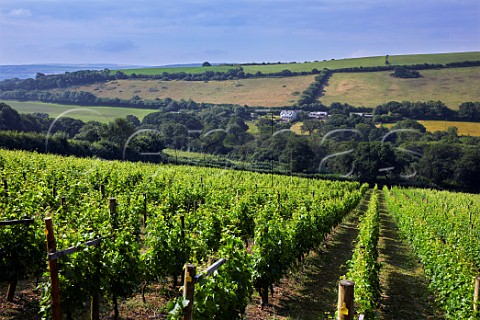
344 145
388 112
431 110
315 89
83 98
420 66
45 82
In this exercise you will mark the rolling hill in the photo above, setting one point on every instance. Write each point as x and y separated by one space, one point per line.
84 113
439 58
451 86
266 92
359 87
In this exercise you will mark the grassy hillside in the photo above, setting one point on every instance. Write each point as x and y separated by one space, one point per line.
297 128
440 58
269 92
452 86
100 114
464 128
153 71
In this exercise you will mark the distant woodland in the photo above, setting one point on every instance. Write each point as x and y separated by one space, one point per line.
361 150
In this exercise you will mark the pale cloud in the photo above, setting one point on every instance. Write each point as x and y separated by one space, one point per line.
20 13
176 31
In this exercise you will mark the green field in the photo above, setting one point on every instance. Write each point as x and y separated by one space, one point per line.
252 128
297 128
84 113
268 92
154 71
464 128
451 86
440 58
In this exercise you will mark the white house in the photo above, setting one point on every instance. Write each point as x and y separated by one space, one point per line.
362 114
288 115
322 115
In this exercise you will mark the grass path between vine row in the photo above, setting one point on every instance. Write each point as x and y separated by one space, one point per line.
405 294
311 291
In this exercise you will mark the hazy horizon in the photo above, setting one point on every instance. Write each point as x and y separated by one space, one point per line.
190 31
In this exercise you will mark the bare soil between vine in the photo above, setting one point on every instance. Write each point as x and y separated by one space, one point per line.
405 293
311 291
25 305
308 292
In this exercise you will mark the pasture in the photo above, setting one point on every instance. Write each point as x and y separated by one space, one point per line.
297 128
160 70
464 128
369 89
439 58
84 113
267 92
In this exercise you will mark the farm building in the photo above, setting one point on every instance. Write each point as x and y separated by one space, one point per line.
288 115
362 114
321 115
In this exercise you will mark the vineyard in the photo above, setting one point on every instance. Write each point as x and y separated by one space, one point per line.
363 269
443 230
262 225
114 229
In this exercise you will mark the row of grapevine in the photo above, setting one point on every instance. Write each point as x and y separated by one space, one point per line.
262 224
443 228
280 241
363 268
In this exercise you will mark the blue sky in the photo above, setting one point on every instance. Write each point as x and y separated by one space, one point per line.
148 32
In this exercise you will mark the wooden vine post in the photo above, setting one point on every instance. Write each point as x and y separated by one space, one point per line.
189 289
53 269
144 210
182 224
12 286
53 255
470 224
5 187
113 212
346 303
112 203
95 298
189 281
476 295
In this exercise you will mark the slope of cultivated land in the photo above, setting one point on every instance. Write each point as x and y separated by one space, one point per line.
464 128
451 86
405 293
239 215
311 291
297 128
439 58
84 113
160 70
269 92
